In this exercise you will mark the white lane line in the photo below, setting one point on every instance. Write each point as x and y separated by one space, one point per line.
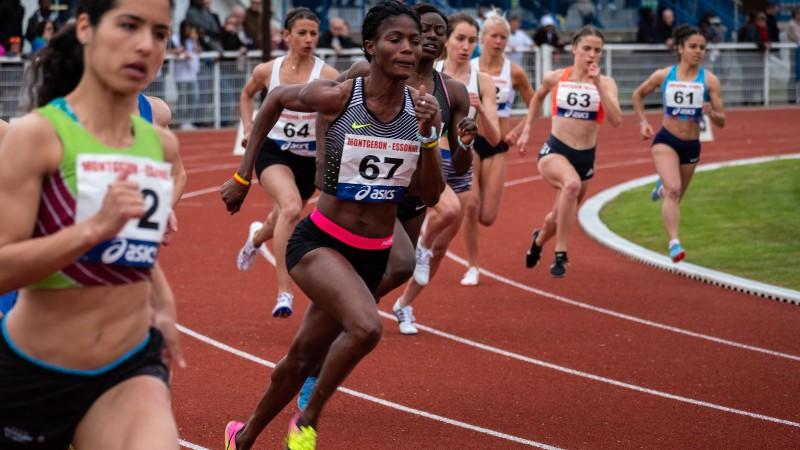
224 347
188 444
623 316
594 377
211 168
200 192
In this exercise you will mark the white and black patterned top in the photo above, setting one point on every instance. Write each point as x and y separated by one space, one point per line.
367 160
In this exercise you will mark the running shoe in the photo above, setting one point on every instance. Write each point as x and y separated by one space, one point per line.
534 252
231 430
305 392
247 255
422 269
655 194
677 253
559 267
405 318
300 437
470 278
283 306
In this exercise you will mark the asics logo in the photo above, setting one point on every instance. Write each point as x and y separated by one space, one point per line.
363 193
358 126
121 250
114 251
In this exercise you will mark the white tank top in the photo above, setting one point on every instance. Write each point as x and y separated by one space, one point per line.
472 85
295 131
504 85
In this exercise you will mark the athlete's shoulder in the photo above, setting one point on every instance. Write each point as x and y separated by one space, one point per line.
169 142
328 72
710 78
35 134
358 69
263 71
162 115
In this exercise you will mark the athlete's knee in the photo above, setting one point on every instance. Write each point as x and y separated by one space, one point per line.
571 188
290 210
471 206
366 332
671 191
295 365
488 216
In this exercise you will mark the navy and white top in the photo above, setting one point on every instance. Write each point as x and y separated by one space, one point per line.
295 131
683 100
367 160
504 85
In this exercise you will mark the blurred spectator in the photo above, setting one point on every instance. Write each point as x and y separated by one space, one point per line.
230 35
755 31
518 41
337 36
772 22
14 47
646 31
547 34
11 15
239 14
277 42
793 28
43 35
711 28
206 24
187 66
665 26
587 11
43 14
793 35
252 22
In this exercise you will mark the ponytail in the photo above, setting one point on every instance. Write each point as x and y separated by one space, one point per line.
56 69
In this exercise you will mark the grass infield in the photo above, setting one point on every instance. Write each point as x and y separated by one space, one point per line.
740 220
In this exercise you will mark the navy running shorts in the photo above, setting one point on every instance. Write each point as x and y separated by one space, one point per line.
688 151
486 150
303 168
41 404
370 265
581 160
411 207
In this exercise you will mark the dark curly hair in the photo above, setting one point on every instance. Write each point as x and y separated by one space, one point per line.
297 14
425 8
58 68
377 15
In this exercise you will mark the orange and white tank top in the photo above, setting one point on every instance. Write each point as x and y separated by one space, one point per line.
576 99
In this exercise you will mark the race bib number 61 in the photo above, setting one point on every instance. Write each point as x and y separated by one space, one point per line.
137 243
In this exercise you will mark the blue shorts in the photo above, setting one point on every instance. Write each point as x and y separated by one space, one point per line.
459 183
7 301
486 150
581 160
688 151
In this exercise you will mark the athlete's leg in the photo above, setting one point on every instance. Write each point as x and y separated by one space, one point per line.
267 230
472 205
560 174
133 415
668 167
279 183
401 256
687 173
306 352
493 176
548 229
344 296
447 210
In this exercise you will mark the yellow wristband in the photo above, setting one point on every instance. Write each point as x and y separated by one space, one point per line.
429 145
240 180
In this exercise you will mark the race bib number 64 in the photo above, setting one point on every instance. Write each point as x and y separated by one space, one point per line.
137 243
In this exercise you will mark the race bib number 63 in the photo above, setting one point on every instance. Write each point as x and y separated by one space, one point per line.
137 243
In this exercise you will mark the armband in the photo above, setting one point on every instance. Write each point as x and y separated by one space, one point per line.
239 179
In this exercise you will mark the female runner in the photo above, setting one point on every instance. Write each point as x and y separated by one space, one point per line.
490 173
581 100
686 87
376 134
78 360
285 167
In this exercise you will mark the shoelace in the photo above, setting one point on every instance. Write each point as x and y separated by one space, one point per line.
405 314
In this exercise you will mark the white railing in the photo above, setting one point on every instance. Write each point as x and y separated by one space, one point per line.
748 76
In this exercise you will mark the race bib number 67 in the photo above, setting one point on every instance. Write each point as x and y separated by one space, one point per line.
137 243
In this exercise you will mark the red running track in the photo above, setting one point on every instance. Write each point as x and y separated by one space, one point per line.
617 354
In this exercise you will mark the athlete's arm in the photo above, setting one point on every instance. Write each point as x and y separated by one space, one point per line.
31 151
645 89
3 129
162 116
715 111
459 109
522 84
162 302
488 123
535 107
609 98
358 69
429 167
328 73
259 81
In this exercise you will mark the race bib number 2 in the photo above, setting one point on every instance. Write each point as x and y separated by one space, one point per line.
137 243
376 169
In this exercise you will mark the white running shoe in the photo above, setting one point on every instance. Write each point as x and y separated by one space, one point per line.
405 318
470 278
283 306
247 255
422 269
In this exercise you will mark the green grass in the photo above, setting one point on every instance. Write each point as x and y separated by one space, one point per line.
740 220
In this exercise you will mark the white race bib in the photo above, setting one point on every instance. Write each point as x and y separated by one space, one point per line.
577 100
375 169
296 132
684 98
137 243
